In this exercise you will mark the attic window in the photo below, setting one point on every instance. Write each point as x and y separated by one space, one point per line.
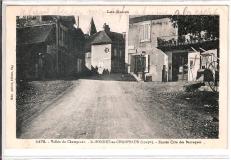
145 32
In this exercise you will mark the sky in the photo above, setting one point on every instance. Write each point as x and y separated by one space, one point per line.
117 23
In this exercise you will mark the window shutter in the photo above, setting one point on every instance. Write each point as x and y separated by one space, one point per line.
147 61
149 31
141 32
145 32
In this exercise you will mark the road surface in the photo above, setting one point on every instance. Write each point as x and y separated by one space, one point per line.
104 108
91 109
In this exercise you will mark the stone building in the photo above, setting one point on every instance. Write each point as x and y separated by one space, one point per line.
105 51
157 52
48 47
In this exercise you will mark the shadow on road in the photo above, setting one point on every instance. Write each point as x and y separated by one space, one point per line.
112 77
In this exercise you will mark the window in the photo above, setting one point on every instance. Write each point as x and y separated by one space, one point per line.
115 52
63 36
65 40
79 65
145 32
120 53
60 35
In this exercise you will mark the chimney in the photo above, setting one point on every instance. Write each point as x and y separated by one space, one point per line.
106 27
124 35
40 18
78 22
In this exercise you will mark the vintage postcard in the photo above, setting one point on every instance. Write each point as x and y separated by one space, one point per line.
116 76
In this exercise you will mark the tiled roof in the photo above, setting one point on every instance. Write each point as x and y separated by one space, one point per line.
116 37
103 37
33 34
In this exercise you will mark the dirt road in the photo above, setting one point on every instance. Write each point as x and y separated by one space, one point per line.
91 109
106 107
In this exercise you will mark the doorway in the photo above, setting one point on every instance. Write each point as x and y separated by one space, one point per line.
140 63
180 66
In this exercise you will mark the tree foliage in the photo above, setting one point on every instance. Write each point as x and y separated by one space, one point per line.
92 27
194 24
25 21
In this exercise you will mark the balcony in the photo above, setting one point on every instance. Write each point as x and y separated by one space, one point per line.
186 41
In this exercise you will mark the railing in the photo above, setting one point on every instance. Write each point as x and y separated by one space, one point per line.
166 41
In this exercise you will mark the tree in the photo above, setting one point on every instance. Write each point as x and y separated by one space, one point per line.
196 23
92 29
25 21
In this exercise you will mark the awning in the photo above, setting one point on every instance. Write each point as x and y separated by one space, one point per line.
210 52
149 51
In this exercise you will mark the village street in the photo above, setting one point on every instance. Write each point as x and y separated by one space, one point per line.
107 107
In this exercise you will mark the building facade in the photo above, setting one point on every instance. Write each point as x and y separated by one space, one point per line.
105 51
158 52
48 47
